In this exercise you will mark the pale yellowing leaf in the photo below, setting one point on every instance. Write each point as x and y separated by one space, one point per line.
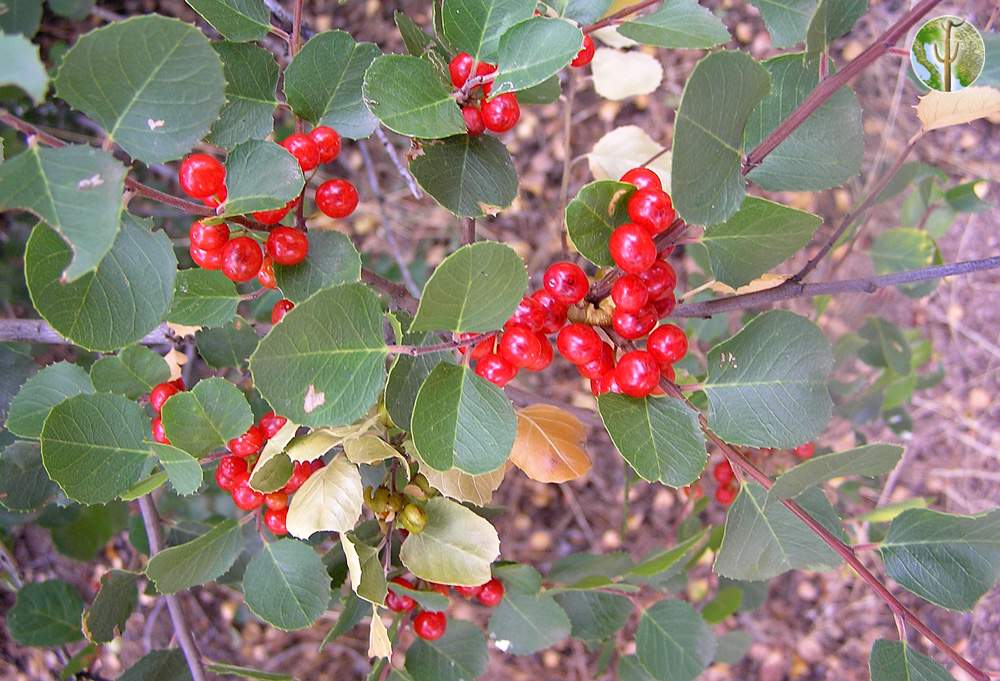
610 36
941 109
625 148
456 547
458 485
329 501
549 443
761 283
620 75
320 441
277 444
379 644
372 449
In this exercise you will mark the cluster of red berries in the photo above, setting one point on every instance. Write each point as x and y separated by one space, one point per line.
157 396
241 258
498 114
728 487
430 625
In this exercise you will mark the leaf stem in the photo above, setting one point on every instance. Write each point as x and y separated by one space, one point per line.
416 350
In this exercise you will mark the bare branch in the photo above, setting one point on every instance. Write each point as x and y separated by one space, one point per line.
404 172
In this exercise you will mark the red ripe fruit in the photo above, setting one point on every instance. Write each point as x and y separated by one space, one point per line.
216 199
442 589
632 248
276 501
249 443
232 466
160 394
632 325
652 209
667 372
473 120
723 473
501 113
544 357
280 309
272 217
224 481
430 626
246 498
266 274
271 423
207 260
484 69
602 365
586 53
287 245
529 313
555 310
665 305
400 602
241 259
726 494
460 68
603 383
304 149
579 344
519 346
327 141
480 349
667 344
567 282
805 451
491 593
660 279
337 198
157 431
274 520
629 293
642 178
637 373
496 370
201 175
693 491
300 473
208 237
468 591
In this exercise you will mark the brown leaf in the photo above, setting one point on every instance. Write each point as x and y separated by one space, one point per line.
548 444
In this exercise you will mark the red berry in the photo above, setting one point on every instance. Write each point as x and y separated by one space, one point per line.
468 591
266 274
271 423
484 69
544 357
430 626
287 245
216 199
246 498
480 349
272 217
586 53
567 282
224 481
201 175
652 209
632 248
178 383
519 346
280 309
300 473
599 366
241 259
637 373
400 602
555 310
327 141
473 120
642 178
723 473
665 305
208 237
667 372
232 466
667 344
603 383
491 593
500 114
632 325
660 279
159 394
249 443
495 369
274 520
725 494
579 344
207 260
337 198
629 293
460 68
442 589
805 451
693 491
529 313
304 149
276 501
158 432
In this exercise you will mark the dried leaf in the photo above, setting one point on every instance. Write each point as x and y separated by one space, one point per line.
625 148
620 75
548 445
941 109
379 644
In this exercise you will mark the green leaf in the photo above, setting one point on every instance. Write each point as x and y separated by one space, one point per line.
428 600
677 24
763 539
706 167
459 655
77 190
21 66
787 20
24 484
324 364
41 392
759 236
333 260
260 175
578 567
114 603
223 669
168 84
594 615
887 513
206 417
581 11
271 473
661 561
461 420
16 366
593 214
407 375
414 37
762 399
733 646
803 162
964 199
476 288
354 611
183 470
659 437
286 585
470 176
82 531
329 501
203 298
227 346
546 92
830 20
198 561
897 661
885 346
949 560
365 569
456 547
133 372
123 300
523 624
630 669
905 248
674 642
868 460
475 26
237 20
159 665
20 16
251 80
534 50
725 603
145 486
406 94
46 614
92 446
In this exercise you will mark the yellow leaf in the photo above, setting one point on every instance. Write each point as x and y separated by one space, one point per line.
625 148
372 449
941 109
548 444
458 485
329 501
379 644
175 359
620 75
761 283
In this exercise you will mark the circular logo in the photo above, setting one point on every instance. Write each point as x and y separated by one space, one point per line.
947 54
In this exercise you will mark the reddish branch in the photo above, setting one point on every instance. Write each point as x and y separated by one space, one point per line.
619 16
